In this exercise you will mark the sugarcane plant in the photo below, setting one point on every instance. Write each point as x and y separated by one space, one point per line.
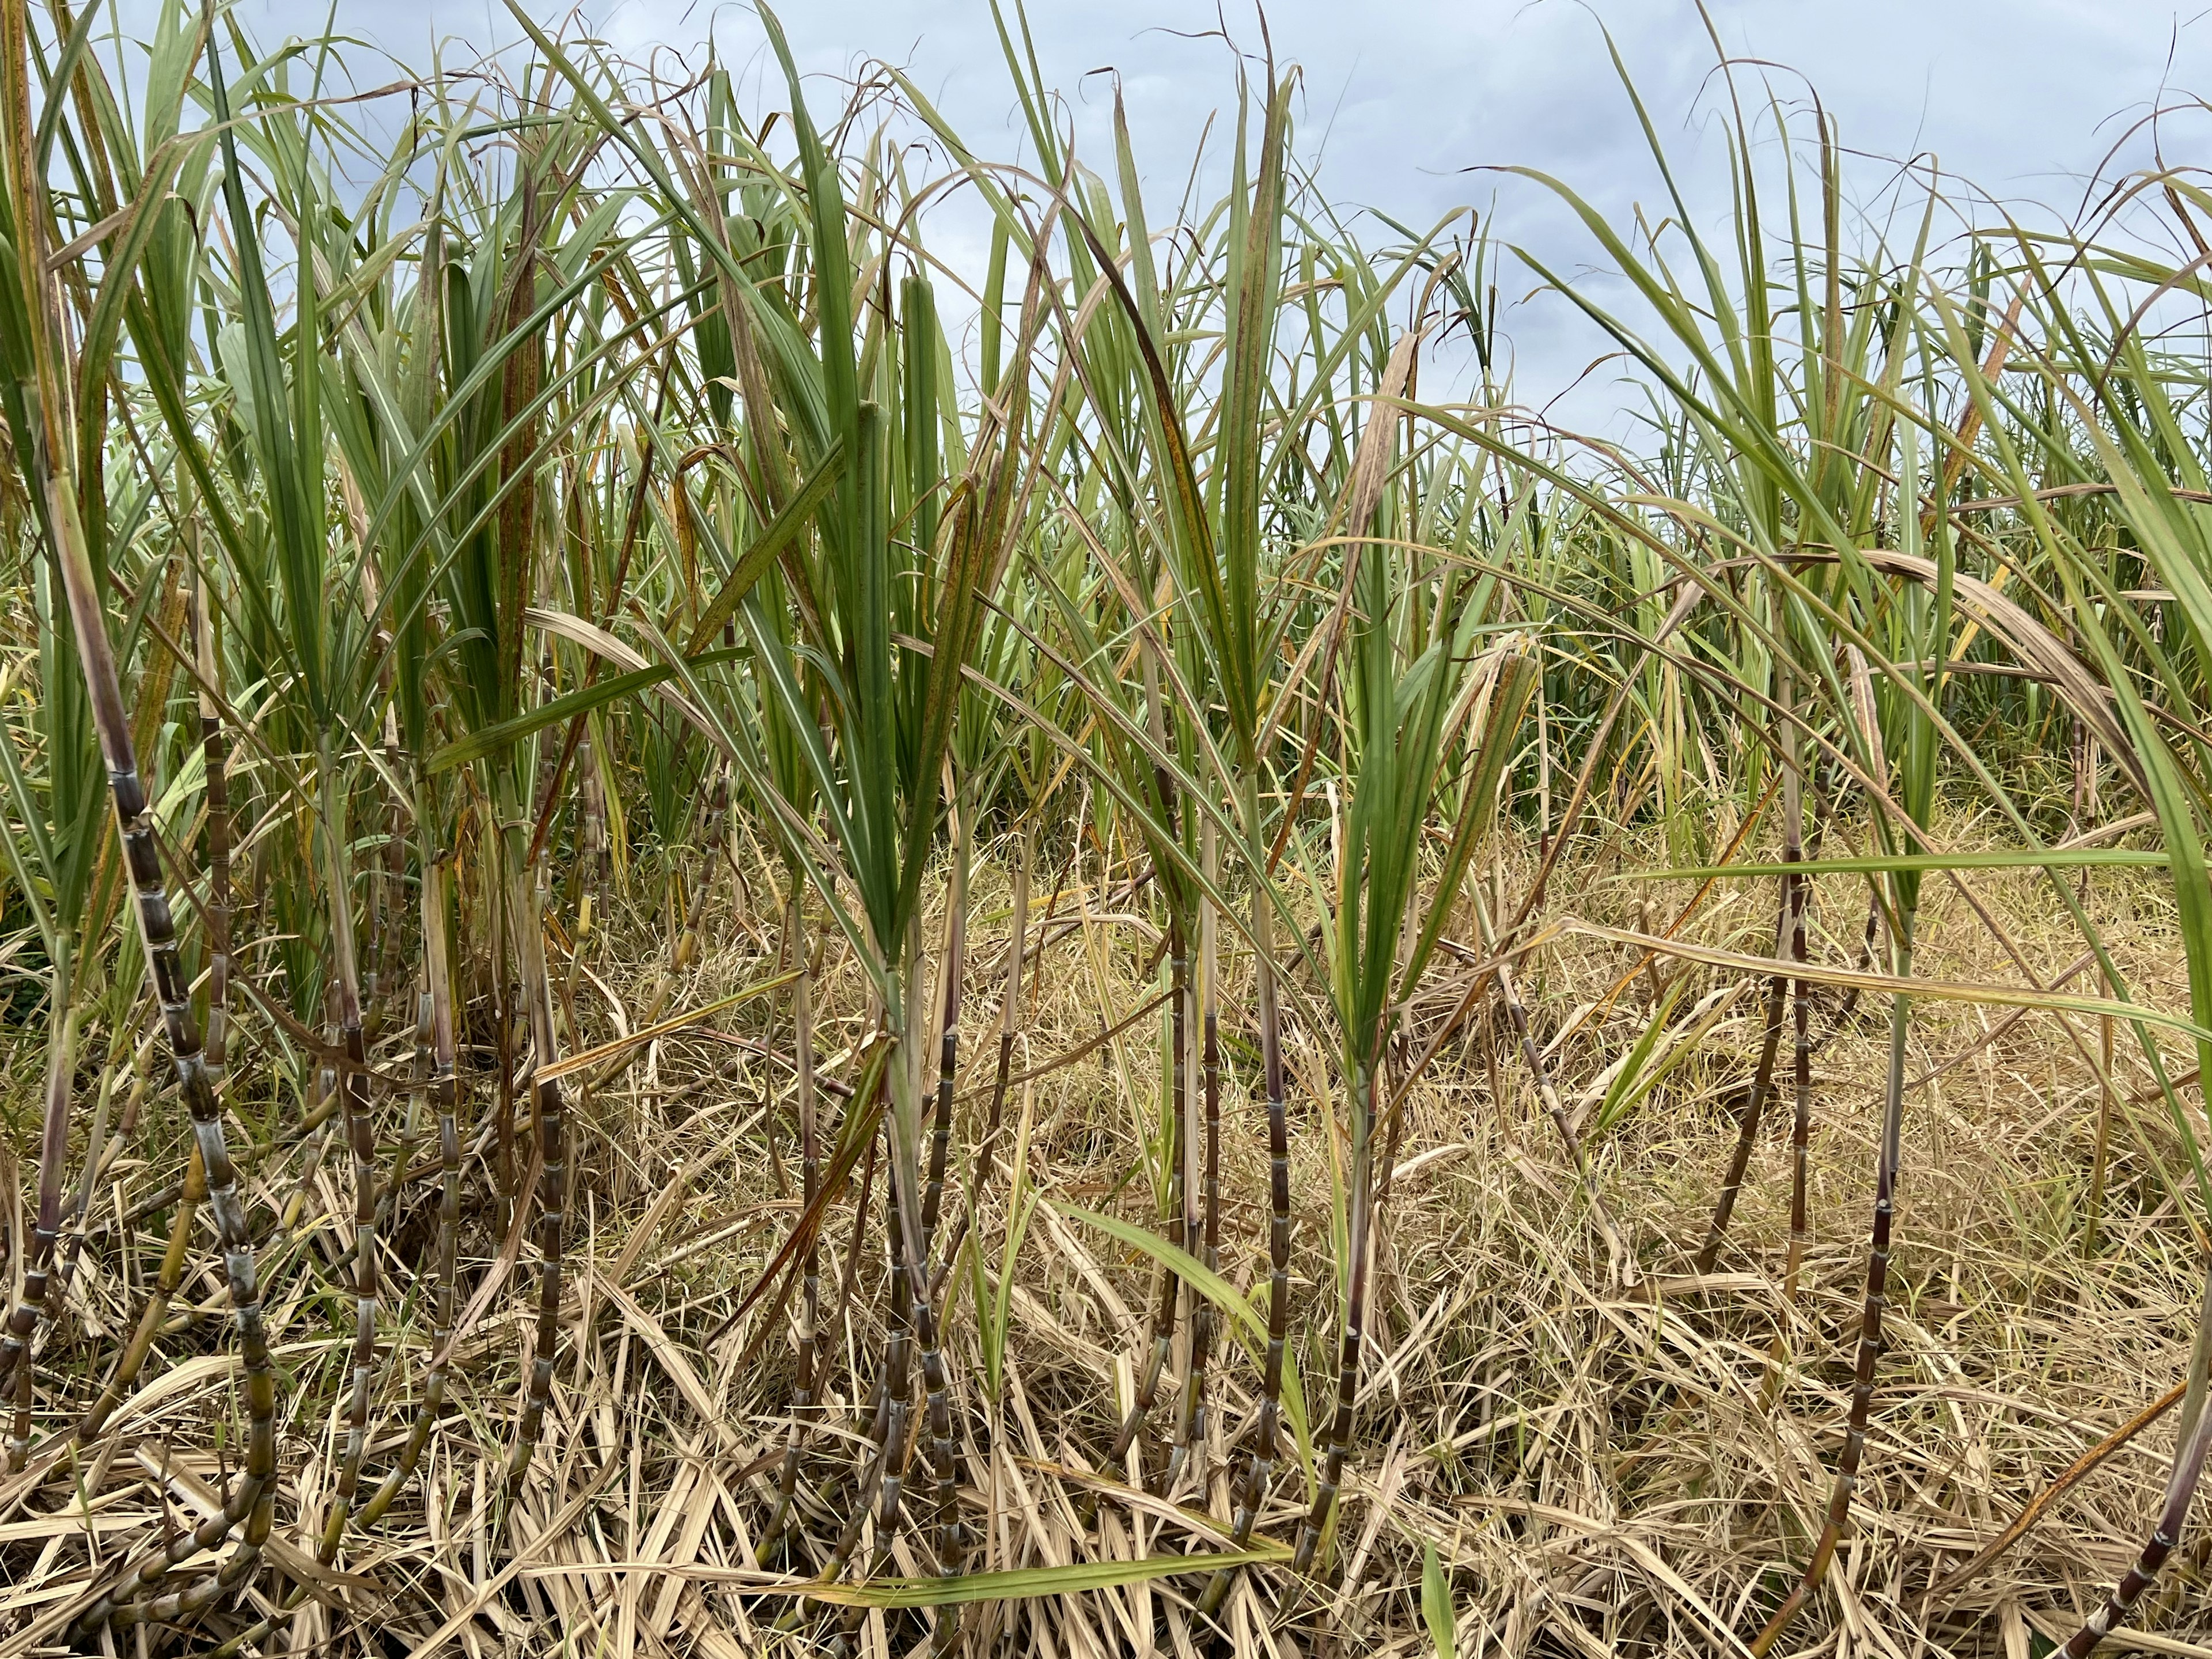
1430 712
43 379
521 564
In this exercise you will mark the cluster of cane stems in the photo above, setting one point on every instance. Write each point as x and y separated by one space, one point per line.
450 544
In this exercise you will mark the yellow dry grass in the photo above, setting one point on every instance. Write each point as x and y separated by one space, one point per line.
1608 1457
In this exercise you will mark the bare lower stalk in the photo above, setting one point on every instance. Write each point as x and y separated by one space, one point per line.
1190 1425
553 1177
384 929
894 1407
215 753
1799 901
2165 1537
937 1402
591 789
936 1382
914 1320
395 859
1338 1439
897 1383
1255 1491
592 858
49 445
359 1128
1009 1019
503 1000
435 1055
1178 1139
810 1335
1801 1125
891 1405
1176 1130
250 1500
1877 1300
1754 1100
446 1089
848 1538
948 1040
948 1065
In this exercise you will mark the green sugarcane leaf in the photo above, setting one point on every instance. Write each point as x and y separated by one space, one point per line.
1639 1054
492 739
782 532
1178 1261
1435 1605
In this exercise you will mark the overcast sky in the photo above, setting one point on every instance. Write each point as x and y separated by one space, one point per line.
1403 97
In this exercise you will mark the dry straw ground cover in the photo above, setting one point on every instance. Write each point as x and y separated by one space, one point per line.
722 938
1600 1466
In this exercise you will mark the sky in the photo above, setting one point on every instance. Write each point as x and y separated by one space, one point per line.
1405 104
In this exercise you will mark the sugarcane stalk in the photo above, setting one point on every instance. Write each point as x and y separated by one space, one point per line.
1279 1224
215 754
812 1355
1870 1318
948 1036
875 1082
1337 1439
891 1408
912 1332
49 444
1754 1099
592 856
2194 1441
502 922
1801 1123
948 1061
1176 1119
1171 1283
1255 1491
1009 1023
358 1126
445 1087
1204 1187
937 1402
897 1403
384 948
910 1266
1798 897
250 1500
434 1060
553 1176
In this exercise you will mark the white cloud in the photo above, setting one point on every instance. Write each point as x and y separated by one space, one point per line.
2022 97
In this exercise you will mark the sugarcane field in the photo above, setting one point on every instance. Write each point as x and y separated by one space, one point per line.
935 829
